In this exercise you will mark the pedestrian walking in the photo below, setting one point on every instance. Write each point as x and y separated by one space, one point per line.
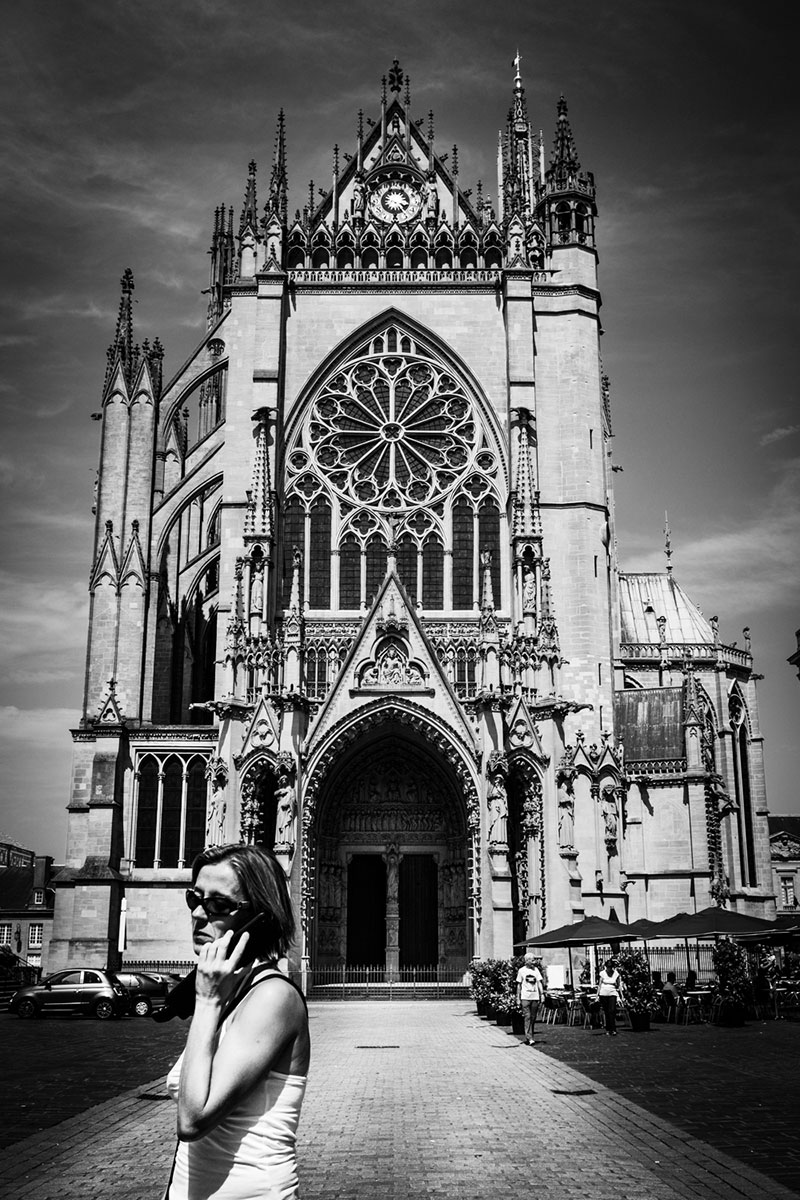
240 1081
530 993
609 991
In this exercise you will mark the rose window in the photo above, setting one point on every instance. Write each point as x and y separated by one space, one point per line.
392 431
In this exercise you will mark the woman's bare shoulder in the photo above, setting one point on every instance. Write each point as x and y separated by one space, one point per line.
271 997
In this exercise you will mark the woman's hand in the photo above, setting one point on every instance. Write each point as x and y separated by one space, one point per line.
216 968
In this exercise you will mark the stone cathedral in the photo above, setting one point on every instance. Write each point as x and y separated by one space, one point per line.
355 590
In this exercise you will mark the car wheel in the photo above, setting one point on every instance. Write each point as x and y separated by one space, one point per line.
103 1009
27 1009
142 1007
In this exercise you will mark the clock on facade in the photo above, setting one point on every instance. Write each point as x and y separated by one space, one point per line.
395 200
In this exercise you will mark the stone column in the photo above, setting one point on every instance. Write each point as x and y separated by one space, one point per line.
392 859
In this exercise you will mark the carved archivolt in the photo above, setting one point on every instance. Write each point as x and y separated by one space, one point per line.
348 731
406 713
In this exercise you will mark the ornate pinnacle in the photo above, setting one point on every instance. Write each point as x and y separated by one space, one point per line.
525 509
249 211
278 184
395 77
667 542
121 349
565 156
258 516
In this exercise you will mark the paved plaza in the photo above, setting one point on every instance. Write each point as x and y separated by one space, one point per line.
412 1099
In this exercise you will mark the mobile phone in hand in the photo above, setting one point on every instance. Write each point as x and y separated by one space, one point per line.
253 925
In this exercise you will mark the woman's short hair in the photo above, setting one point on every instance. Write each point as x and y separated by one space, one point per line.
264 886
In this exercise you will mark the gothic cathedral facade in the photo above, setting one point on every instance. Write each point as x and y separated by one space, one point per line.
355 589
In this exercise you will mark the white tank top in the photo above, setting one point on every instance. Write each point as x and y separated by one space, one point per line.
250 1155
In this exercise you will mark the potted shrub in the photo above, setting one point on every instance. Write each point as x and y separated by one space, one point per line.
734 987
641 996
502 1005
480 986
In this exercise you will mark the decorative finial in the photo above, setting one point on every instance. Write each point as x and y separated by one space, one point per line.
517 75
667 542
395 77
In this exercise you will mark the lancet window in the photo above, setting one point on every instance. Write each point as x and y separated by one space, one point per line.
393 455
169 809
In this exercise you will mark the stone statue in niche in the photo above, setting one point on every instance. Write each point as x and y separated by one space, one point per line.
610 817
358 199
392 875
215 819
566 819
528 590
257 591
431 199
284 822
498 811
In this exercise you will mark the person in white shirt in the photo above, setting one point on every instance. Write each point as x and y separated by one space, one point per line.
530 992
609 991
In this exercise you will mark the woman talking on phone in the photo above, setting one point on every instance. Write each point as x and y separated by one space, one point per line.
240 1081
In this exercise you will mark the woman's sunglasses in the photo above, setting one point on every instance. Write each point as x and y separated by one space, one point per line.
213 906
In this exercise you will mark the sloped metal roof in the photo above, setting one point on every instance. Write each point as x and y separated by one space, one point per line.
646 597
16 886
784 824
649 723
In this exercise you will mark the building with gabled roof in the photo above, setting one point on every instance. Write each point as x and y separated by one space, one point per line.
355 590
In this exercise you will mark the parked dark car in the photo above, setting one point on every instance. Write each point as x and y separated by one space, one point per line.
89 991
145 990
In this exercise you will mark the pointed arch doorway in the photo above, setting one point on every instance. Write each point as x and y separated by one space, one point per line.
390 848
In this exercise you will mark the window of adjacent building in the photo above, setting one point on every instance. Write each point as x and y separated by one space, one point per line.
787 891
5 935
38 896
35 934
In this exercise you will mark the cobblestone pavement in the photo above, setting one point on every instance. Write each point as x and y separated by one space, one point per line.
58 1067
734 1088
426 1100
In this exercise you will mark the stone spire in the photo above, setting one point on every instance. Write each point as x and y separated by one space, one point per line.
122 351
564 163
249 211
516 164
527 523
277 203
222 254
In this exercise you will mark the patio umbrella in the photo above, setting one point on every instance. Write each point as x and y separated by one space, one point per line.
711 922
589 931
644 927
583 933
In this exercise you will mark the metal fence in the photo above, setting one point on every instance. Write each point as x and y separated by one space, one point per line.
162 965
680 960
376 983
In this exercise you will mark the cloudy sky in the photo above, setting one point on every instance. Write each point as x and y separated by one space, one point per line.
125 124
